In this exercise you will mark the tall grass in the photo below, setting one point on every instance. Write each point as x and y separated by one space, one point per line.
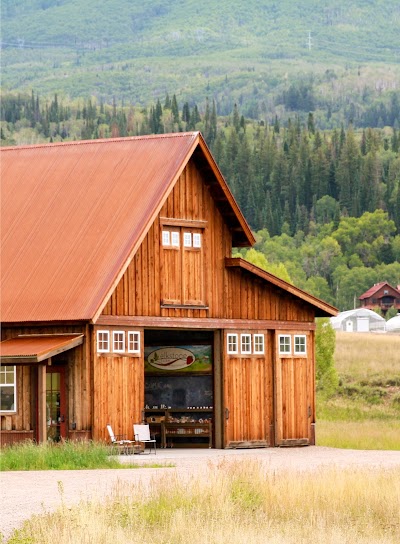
364 413
65 456
239 504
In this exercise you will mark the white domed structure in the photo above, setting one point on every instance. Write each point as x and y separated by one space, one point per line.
358 320
393 324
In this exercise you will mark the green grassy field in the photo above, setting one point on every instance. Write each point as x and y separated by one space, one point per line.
365 411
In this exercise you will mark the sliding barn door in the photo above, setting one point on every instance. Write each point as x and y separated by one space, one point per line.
294 398
247 401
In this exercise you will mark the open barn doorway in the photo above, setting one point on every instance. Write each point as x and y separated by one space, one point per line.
179 387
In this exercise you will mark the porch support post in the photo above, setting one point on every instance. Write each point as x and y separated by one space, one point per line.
42 421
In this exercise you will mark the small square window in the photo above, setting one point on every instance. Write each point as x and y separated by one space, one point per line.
285 344
118 341
175 239
187 239
300 344
8 389
196 239
103 341
245 344
258 343
166 238
134 342
232 343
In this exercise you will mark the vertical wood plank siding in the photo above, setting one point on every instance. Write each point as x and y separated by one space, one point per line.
294 394
79 400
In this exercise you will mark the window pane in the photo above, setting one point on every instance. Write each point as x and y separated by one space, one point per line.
166 238
258 343
7 398
187 239
232 343
118 341
175 239
285 344
245 340
196 239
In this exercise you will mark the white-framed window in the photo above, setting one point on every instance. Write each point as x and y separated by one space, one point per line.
8 389
175 239
196 239
166 238
187 239
133 341
103 341
285 344
258 343
245 344
300 344
118 341
232 343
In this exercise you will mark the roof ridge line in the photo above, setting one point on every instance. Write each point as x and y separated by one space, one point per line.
193 133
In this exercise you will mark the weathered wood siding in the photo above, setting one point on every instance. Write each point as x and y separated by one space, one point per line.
248 396
183 277
294 395
78 384
118 391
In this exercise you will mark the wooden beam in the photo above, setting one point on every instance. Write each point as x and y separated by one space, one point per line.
41 400
202 323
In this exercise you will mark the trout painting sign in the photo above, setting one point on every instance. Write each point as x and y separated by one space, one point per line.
178 358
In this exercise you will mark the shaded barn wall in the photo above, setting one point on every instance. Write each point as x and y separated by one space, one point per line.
78 385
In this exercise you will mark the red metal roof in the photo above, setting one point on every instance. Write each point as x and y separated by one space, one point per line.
74 214
372 290
36 348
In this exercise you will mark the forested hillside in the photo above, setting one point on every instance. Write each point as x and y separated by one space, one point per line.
325 204
339 59
298 101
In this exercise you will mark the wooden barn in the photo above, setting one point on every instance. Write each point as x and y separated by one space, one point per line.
121 302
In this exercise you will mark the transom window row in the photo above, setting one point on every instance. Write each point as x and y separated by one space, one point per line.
245 344
299 342
172 239
118 341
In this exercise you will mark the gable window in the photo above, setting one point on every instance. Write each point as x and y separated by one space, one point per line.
196 239
187 239
8 389
182 277
103 341
245 344
134 342
232 343
259 343
175 239
166 238
118 341
285 344
300 344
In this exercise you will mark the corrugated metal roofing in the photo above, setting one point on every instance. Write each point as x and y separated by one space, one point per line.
73 214
36 348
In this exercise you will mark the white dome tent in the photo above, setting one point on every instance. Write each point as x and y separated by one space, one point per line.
358 320
393 324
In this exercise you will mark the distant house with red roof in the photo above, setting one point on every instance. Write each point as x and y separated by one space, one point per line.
382 296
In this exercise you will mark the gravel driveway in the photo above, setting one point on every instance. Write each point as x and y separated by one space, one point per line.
23 494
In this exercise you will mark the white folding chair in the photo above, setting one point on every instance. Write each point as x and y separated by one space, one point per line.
141 434
119 441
